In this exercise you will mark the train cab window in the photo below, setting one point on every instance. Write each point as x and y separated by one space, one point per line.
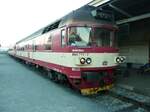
79 36
63 40
103 37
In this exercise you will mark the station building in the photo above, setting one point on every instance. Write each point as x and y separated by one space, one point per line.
133 20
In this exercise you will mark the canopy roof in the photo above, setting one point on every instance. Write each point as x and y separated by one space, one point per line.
125 10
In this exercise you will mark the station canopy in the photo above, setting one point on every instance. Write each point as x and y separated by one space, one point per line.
125 10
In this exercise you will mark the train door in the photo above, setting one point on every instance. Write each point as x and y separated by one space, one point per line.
63 44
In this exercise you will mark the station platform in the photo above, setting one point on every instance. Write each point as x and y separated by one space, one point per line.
134 81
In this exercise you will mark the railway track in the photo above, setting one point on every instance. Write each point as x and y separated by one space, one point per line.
136 104
122 100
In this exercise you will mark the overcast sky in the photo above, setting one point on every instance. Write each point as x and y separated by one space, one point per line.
20 18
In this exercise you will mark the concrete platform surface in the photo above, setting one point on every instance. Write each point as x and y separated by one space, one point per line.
134 81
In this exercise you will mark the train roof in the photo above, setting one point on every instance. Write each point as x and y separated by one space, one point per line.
82 14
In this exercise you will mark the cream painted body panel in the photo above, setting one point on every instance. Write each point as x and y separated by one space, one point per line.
70 60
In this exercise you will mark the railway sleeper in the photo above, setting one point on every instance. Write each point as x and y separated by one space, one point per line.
132 101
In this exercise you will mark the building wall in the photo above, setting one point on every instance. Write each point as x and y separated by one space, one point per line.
136 53
134 44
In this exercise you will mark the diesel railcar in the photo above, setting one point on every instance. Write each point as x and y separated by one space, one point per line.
78 47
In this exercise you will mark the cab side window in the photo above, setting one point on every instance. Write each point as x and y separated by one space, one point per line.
63 39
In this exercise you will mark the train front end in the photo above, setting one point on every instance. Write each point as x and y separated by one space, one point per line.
94 57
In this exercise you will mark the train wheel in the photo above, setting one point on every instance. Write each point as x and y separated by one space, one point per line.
37 66
50 75
56 77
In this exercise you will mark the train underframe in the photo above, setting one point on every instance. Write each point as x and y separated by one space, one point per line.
93 81
90 82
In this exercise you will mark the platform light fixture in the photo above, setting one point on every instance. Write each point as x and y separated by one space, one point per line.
97 3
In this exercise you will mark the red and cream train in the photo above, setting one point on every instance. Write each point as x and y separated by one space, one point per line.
78 47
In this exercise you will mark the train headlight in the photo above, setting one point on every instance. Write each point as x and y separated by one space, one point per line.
118 60
88 60
82 60
122 59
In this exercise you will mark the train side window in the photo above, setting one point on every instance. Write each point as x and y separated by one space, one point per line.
48 44
63 34
34 48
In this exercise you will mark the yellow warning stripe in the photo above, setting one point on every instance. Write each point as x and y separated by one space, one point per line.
91 91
